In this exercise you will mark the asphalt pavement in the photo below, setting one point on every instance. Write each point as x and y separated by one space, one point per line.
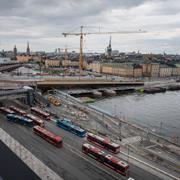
69 162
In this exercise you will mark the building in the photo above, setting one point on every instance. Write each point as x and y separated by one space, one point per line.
24 58
109 50
52 63
28 49
154 69
95 67
119 69
176 71
166 71
150 70
15 51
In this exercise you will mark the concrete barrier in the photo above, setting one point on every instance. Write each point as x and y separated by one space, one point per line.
43 171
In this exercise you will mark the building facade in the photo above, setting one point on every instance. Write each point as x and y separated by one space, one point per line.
24 58
129 70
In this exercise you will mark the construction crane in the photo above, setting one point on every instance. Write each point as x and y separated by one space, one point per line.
66 52
82 34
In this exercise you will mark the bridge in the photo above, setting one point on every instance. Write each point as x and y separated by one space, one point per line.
84 83
29 95
9 63
9 67
71 82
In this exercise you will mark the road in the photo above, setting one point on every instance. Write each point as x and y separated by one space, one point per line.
69 162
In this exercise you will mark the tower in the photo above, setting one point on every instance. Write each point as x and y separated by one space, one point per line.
28 49
109 50
15 51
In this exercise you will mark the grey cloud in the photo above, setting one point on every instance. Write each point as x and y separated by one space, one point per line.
37 19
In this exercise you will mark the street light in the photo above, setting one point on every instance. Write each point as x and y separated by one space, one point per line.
120 131
128 154
115 110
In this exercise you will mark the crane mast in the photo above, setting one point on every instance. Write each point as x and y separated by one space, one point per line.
81 58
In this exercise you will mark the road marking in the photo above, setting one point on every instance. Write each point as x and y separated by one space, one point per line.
80 154
153 167
39 168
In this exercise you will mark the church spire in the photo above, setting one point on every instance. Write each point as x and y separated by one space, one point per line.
15 51
28 49
110 42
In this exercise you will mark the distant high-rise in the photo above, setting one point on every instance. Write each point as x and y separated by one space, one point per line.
28 49
15 51
109 50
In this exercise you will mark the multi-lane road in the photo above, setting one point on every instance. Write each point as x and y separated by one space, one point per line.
69 162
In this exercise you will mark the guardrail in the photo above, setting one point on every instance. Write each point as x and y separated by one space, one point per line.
43 171
148 165
115 122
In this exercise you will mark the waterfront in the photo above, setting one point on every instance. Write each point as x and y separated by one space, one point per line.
160 112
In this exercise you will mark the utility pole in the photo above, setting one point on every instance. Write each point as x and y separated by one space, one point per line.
81 58
115 110
128 154
120 138
160 131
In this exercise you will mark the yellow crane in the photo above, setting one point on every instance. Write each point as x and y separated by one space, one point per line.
82 34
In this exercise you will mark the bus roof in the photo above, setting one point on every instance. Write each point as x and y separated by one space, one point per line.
69 123
40 111
116 160
93 148
35 118
20 117
17 109
105 140
7 110
48 133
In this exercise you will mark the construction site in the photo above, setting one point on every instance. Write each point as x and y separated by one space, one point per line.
49 125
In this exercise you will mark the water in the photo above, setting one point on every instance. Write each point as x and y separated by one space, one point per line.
160 112
4 60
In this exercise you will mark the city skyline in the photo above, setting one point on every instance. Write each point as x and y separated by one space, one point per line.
43 22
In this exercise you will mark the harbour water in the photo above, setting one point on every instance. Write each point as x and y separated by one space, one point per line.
4 60
159 112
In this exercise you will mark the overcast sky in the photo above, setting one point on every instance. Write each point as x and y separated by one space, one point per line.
42 22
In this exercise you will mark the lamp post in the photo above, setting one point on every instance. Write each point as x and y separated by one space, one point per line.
128 154
115 110
160 130
120 131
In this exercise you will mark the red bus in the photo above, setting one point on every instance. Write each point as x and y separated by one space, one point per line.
116 164
36 120
17 110
6 110
40 113
48 136
107 159
103 142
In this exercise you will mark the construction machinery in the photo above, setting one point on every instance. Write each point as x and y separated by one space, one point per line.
54 101
82 34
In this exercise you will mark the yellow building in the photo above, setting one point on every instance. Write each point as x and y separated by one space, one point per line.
176 71
95 67
165 71
118 69
137 72
66 63
107 69
154 69
52 63
24 58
